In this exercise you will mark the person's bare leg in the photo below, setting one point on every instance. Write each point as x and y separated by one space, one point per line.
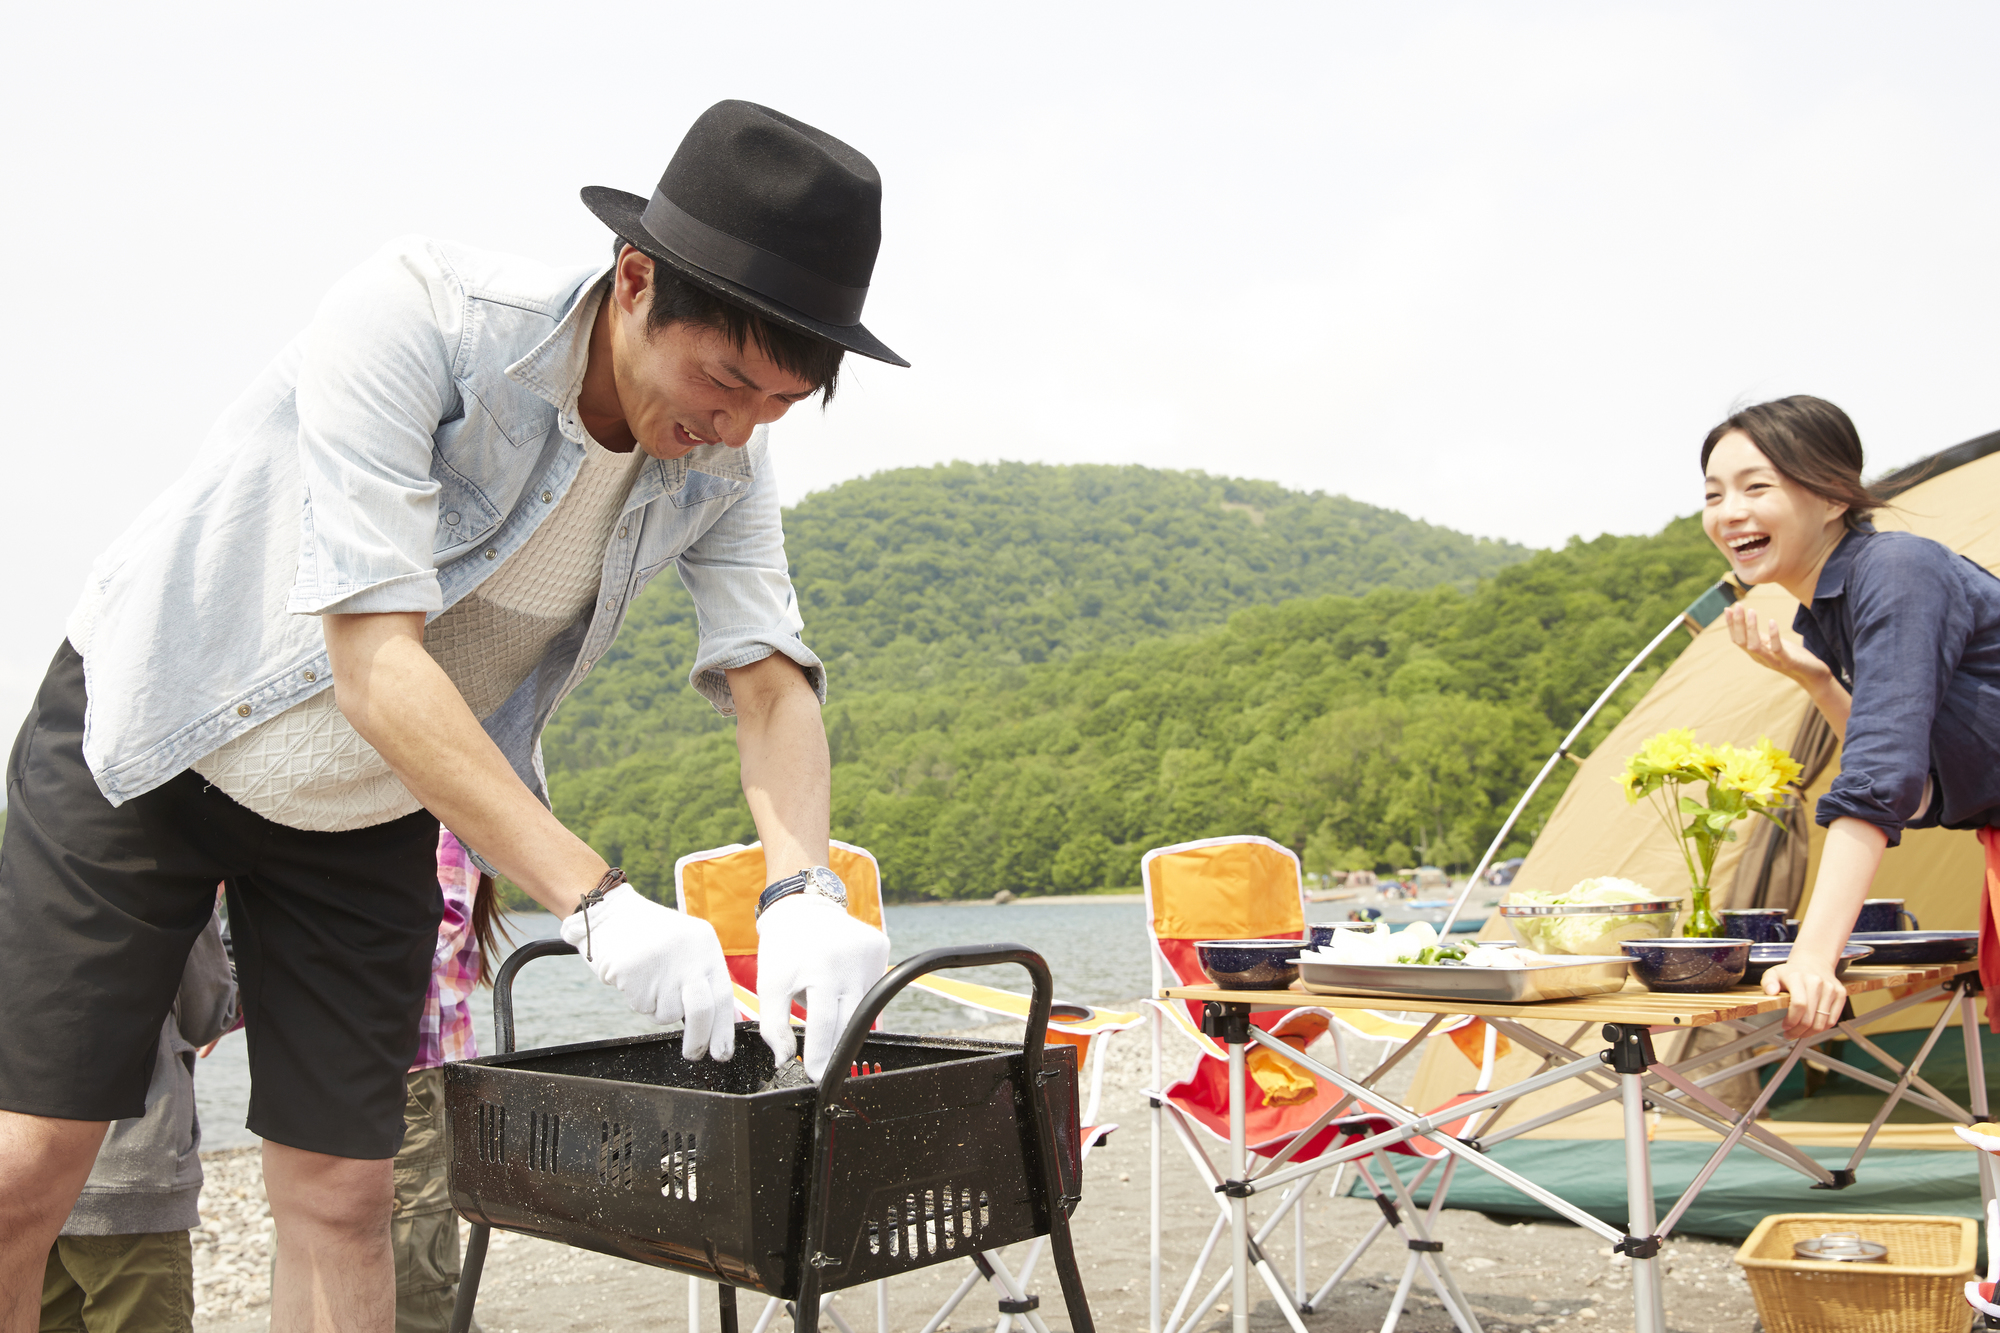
335 1272
43 1164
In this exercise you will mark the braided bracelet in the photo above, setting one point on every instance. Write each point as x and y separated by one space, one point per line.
612 879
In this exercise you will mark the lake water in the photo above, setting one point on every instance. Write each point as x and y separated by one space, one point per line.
1096 950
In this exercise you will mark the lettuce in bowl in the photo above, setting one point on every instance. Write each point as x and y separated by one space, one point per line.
1588 927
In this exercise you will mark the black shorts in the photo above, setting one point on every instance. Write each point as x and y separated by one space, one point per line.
99 904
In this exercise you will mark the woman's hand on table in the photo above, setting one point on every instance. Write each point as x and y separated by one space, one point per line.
1817 997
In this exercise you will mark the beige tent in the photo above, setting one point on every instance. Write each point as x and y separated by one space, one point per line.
1714 688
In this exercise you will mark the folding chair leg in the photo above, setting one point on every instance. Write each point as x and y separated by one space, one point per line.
772 1308
1435 1269
1012 1289
1395 1314
944 1311
1200 1263
881 1305
1347 1264
1369 1238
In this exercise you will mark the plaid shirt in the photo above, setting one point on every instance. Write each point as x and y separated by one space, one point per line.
446 1032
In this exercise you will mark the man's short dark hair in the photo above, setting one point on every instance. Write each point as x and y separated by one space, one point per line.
675 300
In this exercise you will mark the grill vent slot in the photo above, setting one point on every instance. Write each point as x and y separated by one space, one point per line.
490 1130
543 1131
935 1220
677 1165
614 1155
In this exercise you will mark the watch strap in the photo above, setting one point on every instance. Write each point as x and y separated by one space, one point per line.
782 889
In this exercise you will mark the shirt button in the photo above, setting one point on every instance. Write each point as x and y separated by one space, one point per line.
548 497
621 532
492 554
452 518
610 604
311 676
243 710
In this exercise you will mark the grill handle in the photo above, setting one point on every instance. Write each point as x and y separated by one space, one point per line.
848 1050
948 958
503 986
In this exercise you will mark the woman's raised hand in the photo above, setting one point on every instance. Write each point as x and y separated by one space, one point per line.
1767 647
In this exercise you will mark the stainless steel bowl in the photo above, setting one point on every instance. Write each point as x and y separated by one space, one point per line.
1531 924
1841 1247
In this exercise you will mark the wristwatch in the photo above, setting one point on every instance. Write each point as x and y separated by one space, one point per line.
813 879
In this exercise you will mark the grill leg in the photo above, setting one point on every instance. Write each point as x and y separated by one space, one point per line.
725 1307
468 1278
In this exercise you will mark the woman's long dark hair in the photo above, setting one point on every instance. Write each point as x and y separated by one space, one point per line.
1810 441
487 927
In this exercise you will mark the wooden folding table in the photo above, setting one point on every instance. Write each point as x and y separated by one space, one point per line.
1626 1070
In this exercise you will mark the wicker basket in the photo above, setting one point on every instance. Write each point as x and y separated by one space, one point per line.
1919 1290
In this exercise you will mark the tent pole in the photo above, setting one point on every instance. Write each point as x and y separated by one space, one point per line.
1699 615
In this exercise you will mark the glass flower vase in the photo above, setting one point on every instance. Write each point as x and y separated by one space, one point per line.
1701 923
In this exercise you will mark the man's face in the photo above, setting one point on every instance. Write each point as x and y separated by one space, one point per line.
688 385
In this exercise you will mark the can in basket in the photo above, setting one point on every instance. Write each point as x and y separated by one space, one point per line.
1918 1290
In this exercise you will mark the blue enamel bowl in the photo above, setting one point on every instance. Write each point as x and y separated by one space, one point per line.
1250 964
1688 967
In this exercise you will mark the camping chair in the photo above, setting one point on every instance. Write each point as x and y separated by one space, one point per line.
1249 887
722 886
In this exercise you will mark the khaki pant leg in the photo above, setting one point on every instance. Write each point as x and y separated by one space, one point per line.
423 1229
132 1284
62 1299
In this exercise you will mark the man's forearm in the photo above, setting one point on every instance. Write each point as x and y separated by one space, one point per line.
399 699
787 779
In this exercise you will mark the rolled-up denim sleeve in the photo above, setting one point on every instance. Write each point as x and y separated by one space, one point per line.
374 382
742 590
1910 632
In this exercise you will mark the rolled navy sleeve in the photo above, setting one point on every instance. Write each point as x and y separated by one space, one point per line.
742 590
374 382
1909 635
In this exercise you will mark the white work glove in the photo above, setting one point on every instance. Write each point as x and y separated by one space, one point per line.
668 966
809 945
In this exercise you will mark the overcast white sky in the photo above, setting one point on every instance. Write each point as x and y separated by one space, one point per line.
1497 266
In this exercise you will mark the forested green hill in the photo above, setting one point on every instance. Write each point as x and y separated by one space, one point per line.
1363 730
925 576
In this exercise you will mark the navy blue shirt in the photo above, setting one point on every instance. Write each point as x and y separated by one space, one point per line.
1912 629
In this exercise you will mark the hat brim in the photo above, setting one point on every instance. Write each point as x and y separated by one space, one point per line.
621 212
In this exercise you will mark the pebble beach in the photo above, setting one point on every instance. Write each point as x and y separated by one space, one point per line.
1519 1276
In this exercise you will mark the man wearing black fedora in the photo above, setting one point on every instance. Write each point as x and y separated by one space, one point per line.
394 556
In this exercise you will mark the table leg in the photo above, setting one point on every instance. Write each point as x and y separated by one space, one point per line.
1239 1206
1630 1056
1975 1070
1230 1025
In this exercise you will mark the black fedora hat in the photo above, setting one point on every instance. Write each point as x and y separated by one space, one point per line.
769 213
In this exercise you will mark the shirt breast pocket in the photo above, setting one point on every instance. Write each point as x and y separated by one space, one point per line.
464 514
702 487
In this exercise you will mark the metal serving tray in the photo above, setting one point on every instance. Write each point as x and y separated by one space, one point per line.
1485 985
1917 948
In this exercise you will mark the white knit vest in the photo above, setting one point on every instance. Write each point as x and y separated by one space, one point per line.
308 769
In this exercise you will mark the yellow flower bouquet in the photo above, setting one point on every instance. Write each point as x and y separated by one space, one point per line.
1741 782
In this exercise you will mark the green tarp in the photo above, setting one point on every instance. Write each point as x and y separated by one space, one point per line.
1590 1173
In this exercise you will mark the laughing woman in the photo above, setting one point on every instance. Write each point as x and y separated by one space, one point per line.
1901 656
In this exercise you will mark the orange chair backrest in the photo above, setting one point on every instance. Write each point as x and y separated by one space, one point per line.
722 886
1224 889
1235 888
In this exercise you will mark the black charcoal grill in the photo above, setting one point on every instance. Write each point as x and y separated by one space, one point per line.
953 1148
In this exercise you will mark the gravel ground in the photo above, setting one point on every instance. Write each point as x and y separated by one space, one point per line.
1517 1275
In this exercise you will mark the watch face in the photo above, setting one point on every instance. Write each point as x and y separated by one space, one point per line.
824 882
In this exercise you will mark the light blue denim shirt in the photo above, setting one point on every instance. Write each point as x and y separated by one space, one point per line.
390 459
